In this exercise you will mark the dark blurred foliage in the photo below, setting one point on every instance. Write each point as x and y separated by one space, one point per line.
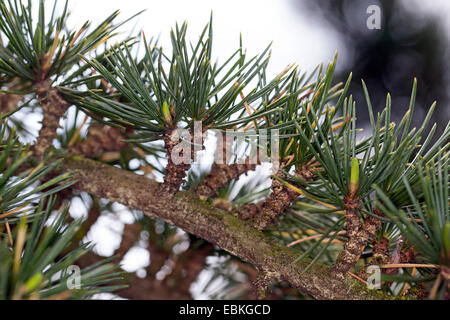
409 44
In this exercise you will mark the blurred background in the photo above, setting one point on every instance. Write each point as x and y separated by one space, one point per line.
413 41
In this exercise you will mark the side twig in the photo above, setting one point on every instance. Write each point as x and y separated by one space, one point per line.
53 108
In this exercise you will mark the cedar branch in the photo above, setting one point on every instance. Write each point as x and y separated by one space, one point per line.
215 226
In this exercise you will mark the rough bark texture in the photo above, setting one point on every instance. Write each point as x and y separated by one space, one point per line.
215 226
380 251
100 139
175 173
220 176
266 212
358 236
221 172
307 173
53 108
403 253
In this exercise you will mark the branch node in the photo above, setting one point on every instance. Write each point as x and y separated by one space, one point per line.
175 170
53 108
266 212
358 235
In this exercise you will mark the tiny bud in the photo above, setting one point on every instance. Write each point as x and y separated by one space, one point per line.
34 282
166 112
354 176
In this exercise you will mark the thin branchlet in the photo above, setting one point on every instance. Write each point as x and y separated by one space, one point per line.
265 213
222 173
53 108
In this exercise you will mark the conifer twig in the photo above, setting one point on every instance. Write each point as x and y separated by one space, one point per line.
267 211
53 108
358 233
174 173
100 139
222 173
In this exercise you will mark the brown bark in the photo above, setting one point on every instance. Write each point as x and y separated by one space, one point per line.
220 176
266 212
100 139
53 108
380 251
358 236
215 226
221 172
174 173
